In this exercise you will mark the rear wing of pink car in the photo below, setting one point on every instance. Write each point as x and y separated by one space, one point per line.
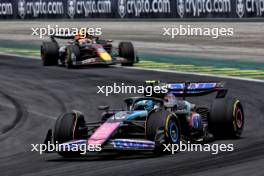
191 89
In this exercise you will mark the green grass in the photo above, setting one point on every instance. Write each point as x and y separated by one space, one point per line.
232 71
19 51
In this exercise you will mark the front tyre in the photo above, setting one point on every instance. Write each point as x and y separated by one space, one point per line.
126 50
67 128
49 52
163 127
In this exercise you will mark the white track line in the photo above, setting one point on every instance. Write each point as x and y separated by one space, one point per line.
198 74
163 71
16 55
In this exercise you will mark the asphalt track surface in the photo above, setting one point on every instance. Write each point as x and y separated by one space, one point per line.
32 97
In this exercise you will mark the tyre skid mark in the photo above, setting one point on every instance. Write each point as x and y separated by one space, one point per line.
20 117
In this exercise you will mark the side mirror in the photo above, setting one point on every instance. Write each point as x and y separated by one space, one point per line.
104 108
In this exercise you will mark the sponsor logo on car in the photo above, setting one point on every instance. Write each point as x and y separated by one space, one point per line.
132 143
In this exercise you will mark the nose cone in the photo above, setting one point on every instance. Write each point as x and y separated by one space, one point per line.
105 56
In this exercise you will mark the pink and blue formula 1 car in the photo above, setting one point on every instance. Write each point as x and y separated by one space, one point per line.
149 123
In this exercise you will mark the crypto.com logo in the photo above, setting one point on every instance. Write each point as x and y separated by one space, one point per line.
34 8
122 8
240 8
180 8
71 8
22 8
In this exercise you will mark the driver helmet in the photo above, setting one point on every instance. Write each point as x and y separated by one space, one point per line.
170 101
144 105
78 36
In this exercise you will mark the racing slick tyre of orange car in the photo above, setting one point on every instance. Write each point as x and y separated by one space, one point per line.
49 53
68 127
126 50
226 119
73 51
163 127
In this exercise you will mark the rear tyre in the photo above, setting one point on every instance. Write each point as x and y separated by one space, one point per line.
126 50
226 118
163 127
49 53
66 129
73 53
